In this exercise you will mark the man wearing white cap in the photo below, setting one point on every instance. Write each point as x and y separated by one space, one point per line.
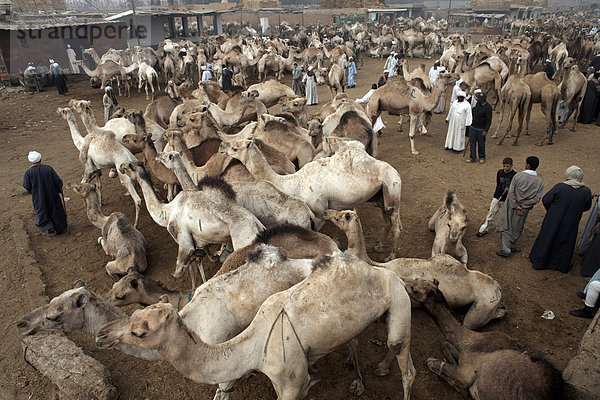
58 77
310 83
549 69
45 187
439 109
206 75
457 88
393 65
111 105
72 58
459 117
388 62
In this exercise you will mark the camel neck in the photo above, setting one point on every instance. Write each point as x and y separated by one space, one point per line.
97 313
89 121
434 97
258 166
192 173
206 363
452 330
157 210
75 135
183 176
94 214
356 242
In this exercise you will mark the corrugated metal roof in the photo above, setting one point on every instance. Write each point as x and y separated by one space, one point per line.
30 25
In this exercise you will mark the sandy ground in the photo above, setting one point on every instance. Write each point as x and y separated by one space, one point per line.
29 121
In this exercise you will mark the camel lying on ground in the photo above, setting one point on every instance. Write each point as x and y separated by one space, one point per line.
121 241
297 313
348 178
449 223
459 285
486 365
78 309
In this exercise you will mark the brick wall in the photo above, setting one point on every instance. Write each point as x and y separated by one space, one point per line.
36 5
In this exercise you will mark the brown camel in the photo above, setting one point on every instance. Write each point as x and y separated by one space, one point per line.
486 365
397 96
334 79
517 94
572 90
545 92
482 76
160 109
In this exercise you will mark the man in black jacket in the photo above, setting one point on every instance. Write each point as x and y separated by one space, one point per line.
482 120
549 69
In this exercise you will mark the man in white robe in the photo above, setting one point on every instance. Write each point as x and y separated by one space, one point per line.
393 65
72 57
439 109
456 89
459 117
310 83
434 72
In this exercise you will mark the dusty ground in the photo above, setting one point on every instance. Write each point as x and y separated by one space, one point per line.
30 122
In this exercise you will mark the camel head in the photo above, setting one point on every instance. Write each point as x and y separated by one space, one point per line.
293 105
421 290
169 158
237 149
82 189
148 328
129 289
174 137
456 217
172 90
344 220
334 144
134 170
66 113
80 106
64 312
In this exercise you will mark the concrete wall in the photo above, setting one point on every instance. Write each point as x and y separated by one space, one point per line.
38 5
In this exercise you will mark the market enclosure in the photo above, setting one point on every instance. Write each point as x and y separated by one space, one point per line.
29 122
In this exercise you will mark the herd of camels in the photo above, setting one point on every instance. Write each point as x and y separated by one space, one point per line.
263 185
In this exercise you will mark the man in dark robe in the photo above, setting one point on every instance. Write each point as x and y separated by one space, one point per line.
298 86
58 76
564 203
589 241
226 79
45 187
524 192
590 104
549 69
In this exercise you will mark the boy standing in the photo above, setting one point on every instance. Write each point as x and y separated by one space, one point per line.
503 178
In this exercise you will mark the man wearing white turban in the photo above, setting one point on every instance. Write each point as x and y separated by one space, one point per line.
110 103
459 117
564 203
72 58
45 187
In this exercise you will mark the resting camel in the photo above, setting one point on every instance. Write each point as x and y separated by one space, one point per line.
449 223
486 365
271 206
460 286
101 150
237 101
119 240
105 72
324 183
270 91
572 91
197 218
297 313
517 95
399 97
298 108
78 309
545 92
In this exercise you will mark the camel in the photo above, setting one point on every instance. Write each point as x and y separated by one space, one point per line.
210 91
486 365
148 76
197 218
334 78
449 223
270 91
417 73
267 203
144 125
119 240
271 61
236 58
397 96
298 108
293 312
572 89
254 109
220 116
78 309
170 71
545 92
559 55
160 109
101 150
460 286
105 72
517 94
482 76
324 183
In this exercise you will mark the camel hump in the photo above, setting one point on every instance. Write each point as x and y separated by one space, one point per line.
216 182
284 229
449 199
322 262
257 255
274 124
347 116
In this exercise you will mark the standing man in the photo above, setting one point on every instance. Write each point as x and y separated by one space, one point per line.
549 69
503 178
434 72
351 72
226 79
45 187
439 108
310 82
383 78
393 65
297 85
459 117
111 105
58 76
524 192
72 58
388 62
482 119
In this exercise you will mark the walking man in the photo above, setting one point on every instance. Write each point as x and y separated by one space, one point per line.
503 178
524 192
298 86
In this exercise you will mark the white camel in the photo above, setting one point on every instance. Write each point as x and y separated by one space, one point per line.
449 223
148 76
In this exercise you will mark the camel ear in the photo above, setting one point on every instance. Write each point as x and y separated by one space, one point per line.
131 270
78 284
81 300
163 299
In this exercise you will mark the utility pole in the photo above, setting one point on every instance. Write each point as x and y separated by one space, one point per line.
134 27
448 17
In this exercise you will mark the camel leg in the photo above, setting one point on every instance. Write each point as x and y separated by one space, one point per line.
356 387
451 352
521 115
449 373
387 225
576 113
200 267
383 368
495 136
400 121
529 116
224 391
411 133
399 331
128 183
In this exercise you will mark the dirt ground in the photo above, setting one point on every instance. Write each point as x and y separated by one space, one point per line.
29 121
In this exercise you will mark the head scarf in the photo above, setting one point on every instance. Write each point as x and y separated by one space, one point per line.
458 82
442 69
51 61
34 157
68 46
548 60
460 93
107 89
310 68
574 176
